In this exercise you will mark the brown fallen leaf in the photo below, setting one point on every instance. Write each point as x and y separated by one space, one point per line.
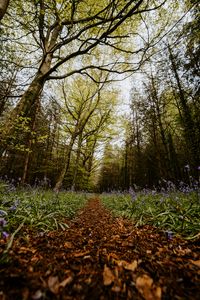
147 289
108 276
126 265
25 250
68 245
131 266
80 254
66 281
53 284
195 262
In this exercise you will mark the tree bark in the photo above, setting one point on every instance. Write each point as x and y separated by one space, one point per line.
188 123
65 168
78 153
3 8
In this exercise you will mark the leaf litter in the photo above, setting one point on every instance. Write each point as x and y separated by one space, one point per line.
100 257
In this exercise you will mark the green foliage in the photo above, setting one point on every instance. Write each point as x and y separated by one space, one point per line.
176 212
39 209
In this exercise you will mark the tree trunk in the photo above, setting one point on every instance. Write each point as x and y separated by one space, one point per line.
24 108
26 104
29 144
73 187
3 8
66 165
188 123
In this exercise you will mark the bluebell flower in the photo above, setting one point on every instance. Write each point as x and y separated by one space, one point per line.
3 213
169 235
5 235
2 222
132 193
13 208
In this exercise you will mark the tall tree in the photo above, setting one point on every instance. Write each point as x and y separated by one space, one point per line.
67 32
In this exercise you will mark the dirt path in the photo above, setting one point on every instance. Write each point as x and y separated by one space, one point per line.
101 257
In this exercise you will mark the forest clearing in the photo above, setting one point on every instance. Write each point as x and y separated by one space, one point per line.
99 149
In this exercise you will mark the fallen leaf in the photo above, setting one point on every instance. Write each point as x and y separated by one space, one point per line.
195 262
66 281
53 284
112 255
126 265
108 276
80 254
68 245
25 250
147 289
131 266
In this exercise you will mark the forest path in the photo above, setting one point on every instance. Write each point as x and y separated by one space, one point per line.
101 257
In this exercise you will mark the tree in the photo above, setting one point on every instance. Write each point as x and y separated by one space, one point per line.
188 123
67 32
81 106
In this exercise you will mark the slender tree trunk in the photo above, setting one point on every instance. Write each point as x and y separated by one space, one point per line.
90 161
166 161
3 8
28 154
188 123
78 154
65 168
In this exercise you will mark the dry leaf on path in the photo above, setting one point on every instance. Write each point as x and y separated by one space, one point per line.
80 254
131 266
66 281
147 289
68 245
53 284
108 276
126 265
195 262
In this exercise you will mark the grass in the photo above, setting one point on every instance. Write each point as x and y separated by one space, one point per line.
175 212
44 210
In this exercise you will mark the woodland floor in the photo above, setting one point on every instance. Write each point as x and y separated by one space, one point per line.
100 257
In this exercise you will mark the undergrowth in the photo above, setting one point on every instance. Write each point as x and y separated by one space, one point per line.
174 212
36 208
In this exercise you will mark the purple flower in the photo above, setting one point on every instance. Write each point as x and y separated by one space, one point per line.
198 168
132 194
169 235
13 208
5 235
2 222
2 213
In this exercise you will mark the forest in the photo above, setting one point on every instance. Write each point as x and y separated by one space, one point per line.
99 145
60 96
